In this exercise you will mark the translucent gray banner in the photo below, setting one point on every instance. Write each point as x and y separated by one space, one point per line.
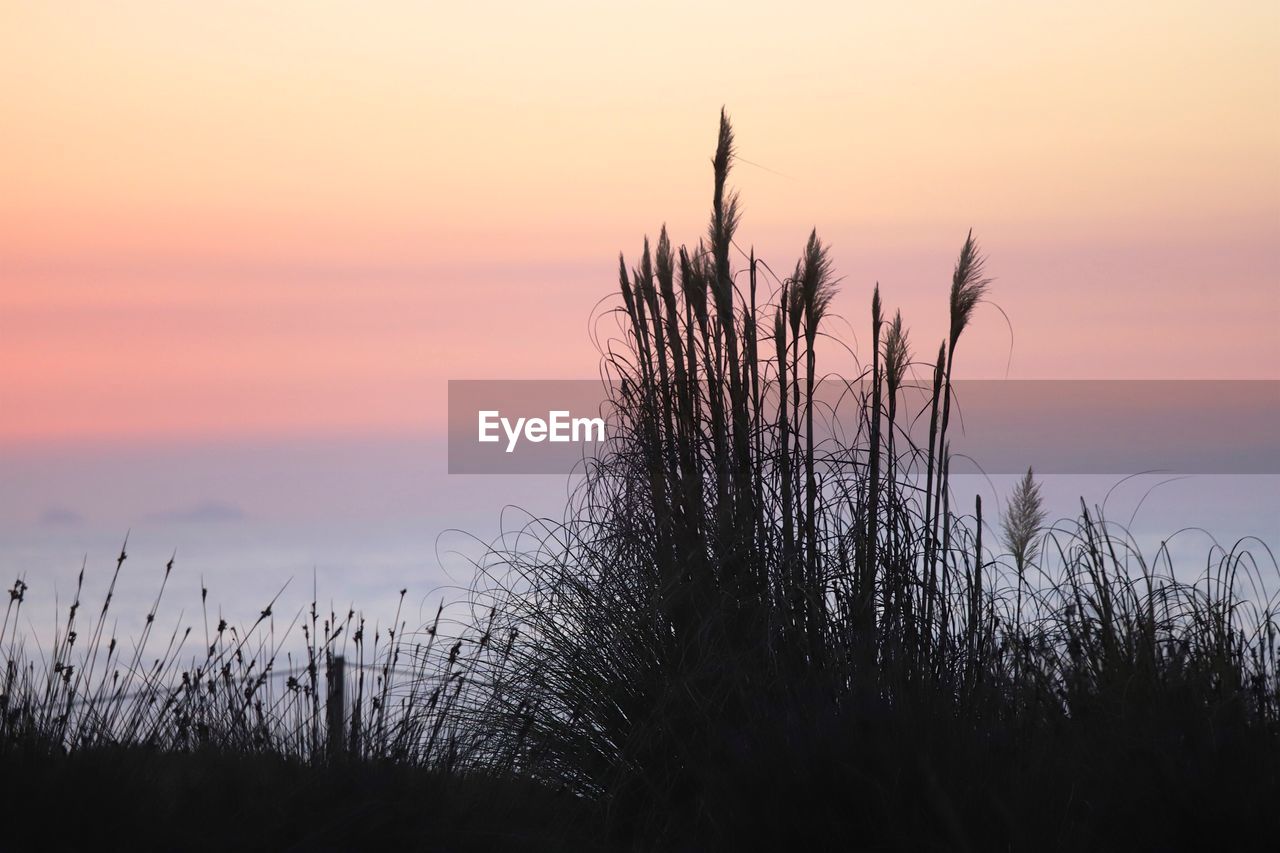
1115 427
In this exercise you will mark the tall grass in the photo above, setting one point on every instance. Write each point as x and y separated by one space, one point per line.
749 627
249 689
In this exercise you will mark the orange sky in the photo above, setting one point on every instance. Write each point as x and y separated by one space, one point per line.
242 219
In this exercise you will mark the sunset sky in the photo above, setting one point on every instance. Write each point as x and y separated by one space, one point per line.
242 219
244 246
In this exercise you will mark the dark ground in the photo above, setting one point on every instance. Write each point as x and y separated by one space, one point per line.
139 800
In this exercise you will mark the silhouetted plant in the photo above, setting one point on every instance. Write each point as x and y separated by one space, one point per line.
737 599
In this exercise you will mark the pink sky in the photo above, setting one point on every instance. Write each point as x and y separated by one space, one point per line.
230 220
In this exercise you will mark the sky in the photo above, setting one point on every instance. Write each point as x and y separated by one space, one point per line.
235 226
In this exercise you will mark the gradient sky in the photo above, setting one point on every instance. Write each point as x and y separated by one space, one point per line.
243 246
291 219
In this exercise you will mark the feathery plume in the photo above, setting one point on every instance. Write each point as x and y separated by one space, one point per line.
896 353
1022 519
817 286
967 286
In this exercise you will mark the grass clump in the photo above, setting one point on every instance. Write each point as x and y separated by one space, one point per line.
765 617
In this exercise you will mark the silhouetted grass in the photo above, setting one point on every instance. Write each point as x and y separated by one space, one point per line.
748 630
765 619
